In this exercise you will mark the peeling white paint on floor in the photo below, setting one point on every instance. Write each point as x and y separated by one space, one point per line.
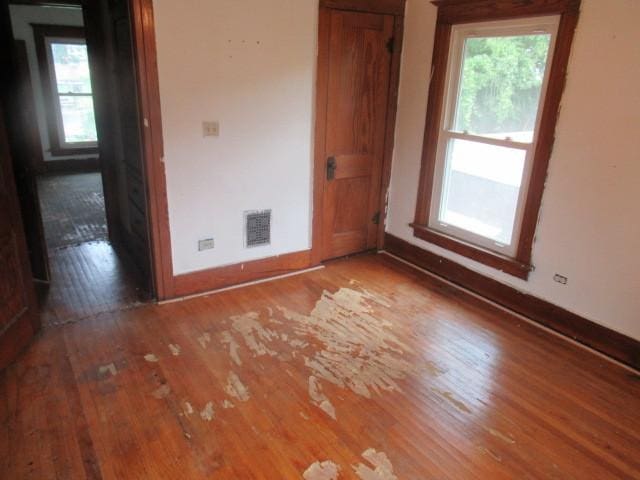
110 368
319 398
151 358
162 391
187 408
360 352
326 470
204 339
228 339
382 467
236 389
227 404
453 400
207 412
175 349
254 334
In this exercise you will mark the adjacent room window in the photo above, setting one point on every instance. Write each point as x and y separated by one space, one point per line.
489 128
66 79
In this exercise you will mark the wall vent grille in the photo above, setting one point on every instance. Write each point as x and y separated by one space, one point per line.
257 228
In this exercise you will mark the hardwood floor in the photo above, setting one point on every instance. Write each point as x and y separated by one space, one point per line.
366 369
87 280
73 209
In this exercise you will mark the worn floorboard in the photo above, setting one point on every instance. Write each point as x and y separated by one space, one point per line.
364 370
87 280
72 209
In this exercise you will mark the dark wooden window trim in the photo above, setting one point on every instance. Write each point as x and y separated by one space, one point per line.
40 33
453 12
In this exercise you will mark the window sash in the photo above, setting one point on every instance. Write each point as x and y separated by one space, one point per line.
62 141
459 34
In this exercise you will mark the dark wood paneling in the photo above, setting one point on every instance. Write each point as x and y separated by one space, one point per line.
598 337
215 278
389 7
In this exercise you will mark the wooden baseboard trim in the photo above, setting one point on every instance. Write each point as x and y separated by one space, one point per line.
600 338
221 277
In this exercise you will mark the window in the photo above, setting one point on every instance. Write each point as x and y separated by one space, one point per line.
493 100
66 80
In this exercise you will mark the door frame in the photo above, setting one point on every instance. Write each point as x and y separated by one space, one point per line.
396 8
145 57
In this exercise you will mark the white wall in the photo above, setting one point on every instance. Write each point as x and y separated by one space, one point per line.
22 16
589 227
249 64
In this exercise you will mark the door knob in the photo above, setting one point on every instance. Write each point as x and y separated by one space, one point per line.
331 168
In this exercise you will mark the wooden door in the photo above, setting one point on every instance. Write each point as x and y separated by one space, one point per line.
111 54
357 56
26 150
19 319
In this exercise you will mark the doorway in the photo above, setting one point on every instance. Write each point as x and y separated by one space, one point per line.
358 69
77 152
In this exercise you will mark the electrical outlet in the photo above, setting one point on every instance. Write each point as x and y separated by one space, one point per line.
560 279
205 244
210 129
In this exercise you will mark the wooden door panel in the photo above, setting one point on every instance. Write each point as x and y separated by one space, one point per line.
358 84
12 297
19 320
355 193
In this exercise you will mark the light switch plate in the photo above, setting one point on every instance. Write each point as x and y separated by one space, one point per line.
210 129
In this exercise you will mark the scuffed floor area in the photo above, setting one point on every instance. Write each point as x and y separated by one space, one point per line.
87 280
72 209
363 370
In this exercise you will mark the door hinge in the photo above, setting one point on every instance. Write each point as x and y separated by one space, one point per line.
376 218
391 44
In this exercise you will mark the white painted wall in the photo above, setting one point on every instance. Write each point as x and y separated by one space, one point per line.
589 227
22 16
249 64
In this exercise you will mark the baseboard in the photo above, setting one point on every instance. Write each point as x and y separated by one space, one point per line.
593 335
70 165
216 278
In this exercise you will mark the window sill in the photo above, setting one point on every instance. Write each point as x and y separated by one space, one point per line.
508 265
66 152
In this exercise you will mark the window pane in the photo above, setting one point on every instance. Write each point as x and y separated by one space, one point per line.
71 65
501 80
481 187
78 119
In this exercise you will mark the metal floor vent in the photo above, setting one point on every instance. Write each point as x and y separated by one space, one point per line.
257 228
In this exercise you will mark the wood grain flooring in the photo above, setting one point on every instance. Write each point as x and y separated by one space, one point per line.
366 369
73 209
87 280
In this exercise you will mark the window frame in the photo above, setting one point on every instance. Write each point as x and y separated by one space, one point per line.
456 14
44 35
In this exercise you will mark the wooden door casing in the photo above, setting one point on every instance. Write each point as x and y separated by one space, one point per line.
19 319
358 64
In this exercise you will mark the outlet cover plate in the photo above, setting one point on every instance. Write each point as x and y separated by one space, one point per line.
205 244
